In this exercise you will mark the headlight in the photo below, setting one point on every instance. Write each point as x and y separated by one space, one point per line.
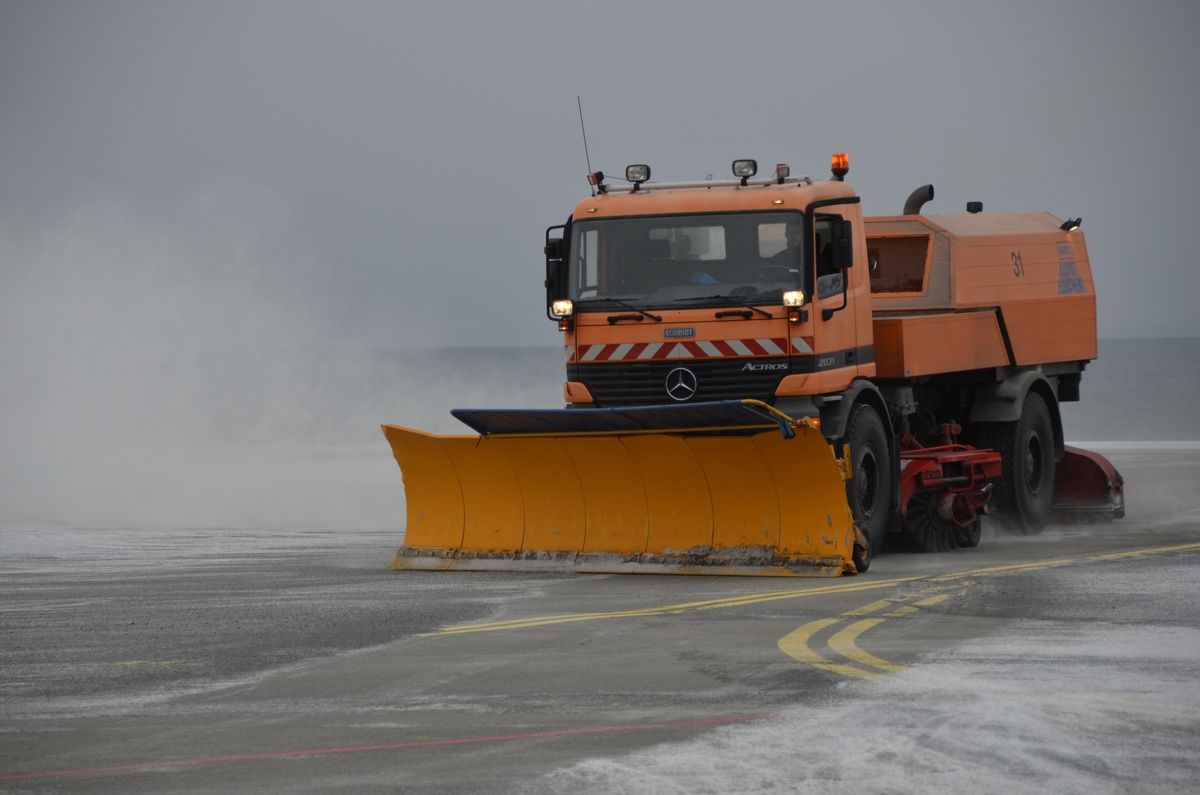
745 168
638 174
562 308
793 298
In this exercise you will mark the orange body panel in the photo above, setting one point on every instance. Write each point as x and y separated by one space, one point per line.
1036 276
575 392
795 384
914 345
1052 329
831 380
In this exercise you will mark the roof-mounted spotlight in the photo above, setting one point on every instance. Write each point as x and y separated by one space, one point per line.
782 172
1070 225
637 175
596 180
839 164
974 207
745 169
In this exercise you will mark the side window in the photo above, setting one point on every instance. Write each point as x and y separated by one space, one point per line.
829 278
902 262
588 263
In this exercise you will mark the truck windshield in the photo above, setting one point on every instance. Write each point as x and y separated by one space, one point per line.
674 261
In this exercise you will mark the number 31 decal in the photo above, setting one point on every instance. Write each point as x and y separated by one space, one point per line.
1018 266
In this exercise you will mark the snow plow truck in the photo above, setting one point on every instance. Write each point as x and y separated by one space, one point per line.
761 381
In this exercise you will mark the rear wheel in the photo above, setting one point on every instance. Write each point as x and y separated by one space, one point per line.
1026 488
870 486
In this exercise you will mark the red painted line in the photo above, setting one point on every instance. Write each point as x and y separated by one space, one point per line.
391 747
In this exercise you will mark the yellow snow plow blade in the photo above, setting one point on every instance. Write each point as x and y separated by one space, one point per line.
714 488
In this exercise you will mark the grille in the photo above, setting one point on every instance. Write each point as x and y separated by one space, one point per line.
644 383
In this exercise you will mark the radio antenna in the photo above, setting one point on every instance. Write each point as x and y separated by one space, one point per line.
583 130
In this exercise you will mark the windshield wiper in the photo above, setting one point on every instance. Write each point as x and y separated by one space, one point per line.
751 307
619 302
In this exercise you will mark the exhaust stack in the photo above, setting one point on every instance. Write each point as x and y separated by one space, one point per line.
918 198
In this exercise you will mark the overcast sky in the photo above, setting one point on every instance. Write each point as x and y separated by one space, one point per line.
399 163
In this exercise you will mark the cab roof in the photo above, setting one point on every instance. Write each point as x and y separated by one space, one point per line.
699 198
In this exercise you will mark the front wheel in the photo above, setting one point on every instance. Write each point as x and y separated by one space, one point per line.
869 488
861 557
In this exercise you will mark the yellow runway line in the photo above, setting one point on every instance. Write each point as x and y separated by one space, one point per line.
750 599
1137 552
152 662
736 601
904 611
871 608
843 643
1040 564
709 604
795 645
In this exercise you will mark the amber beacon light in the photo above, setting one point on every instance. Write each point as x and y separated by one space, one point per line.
840 165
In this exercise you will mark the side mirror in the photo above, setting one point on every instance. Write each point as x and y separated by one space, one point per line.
556 268
843 244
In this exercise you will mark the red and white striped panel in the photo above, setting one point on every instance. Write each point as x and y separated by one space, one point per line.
802 344
704 349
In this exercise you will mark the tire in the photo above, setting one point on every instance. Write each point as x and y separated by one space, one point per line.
869 490
861 557
968 537
1026 487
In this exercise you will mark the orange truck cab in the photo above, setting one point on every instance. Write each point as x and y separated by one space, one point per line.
888 331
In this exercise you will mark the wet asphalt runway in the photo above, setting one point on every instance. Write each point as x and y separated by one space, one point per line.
134 661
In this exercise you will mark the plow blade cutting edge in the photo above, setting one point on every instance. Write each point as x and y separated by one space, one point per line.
719 488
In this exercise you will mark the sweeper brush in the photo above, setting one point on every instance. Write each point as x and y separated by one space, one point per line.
731 487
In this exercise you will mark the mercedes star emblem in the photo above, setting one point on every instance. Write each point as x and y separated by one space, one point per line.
681 384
